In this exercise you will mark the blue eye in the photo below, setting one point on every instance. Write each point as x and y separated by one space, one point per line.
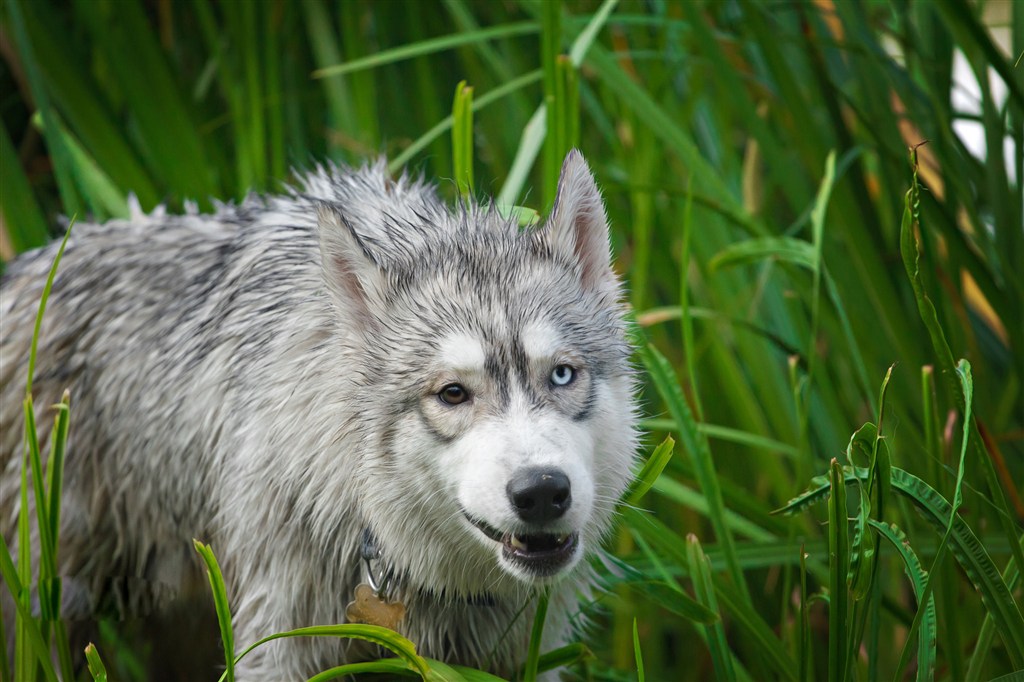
562 375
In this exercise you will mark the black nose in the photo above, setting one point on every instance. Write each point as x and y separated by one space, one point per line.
539 495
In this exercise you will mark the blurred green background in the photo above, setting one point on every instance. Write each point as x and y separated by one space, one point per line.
754 158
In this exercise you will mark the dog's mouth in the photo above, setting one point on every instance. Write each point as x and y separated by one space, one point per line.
542 554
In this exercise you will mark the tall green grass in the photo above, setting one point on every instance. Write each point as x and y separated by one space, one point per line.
781 250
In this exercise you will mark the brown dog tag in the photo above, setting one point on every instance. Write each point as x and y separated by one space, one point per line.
369 609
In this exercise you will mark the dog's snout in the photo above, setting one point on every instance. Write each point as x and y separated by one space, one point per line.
539 495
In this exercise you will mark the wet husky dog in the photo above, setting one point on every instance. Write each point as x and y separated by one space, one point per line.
375 408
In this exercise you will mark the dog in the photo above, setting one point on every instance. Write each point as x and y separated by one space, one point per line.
374 407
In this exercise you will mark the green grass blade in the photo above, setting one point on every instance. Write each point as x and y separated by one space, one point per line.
703 588
42 309
911 262
463 17
755 632
569 93
20 587
567 655
839 567
666 128
47 558
864 563
725 433
526 154
424 140
220 602
47 498
77 95
550 48
327 53
55 466
805 655
102 197
58 152
696 445
375 634
673 599
689 498
786 249
685 307
968 550
640 675
650 471
174 146
918 580
95 664
462 139
963 370
381 667
581 46
272 58
438 671
34 644
464 674
817 490
537 129
817 231
983 645
531 666
23 219
429 47
5 664
32 466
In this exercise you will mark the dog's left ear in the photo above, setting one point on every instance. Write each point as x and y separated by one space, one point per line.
578 226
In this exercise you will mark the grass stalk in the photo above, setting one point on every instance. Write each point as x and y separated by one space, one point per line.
533 652
462 139
839 633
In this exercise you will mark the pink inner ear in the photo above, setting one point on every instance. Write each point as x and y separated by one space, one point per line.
347 281
591 245
349 292
579 223
348 271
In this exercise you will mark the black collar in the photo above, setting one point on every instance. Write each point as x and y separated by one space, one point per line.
386 582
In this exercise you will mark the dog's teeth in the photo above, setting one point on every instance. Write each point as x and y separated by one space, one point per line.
517 543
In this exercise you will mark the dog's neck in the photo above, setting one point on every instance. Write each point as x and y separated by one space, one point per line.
388 583
437 620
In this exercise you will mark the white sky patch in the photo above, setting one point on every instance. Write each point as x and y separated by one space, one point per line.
965 94
540 340
462 351
966 99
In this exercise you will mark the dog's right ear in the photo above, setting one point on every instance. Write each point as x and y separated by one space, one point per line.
578 226
353 277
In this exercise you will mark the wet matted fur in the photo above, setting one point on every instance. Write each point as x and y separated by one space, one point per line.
277 379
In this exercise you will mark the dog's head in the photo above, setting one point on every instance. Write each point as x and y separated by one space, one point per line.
499 414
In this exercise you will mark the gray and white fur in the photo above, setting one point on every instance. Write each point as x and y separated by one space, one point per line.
272 379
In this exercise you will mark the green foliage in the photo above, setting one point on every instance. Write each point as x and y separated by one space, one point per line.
32 633
462 139
95 664
700 572
220 603
779 249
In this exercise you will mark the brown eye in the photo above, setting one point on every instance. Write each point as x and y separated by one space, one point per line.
453 394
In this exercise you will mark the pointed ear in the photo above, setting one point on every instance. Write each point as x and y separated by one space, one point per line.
353 277
578 226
